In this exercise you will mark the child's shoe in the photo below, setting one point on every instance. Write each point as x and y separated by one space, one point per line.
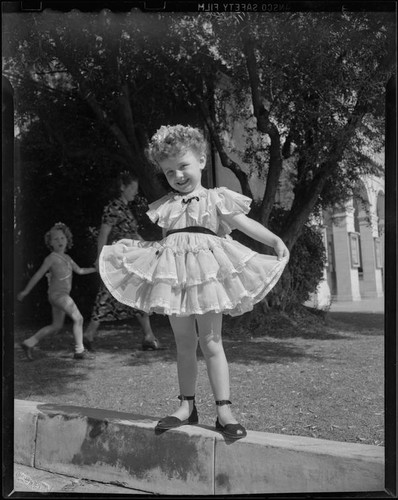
230 431
171 422
83 355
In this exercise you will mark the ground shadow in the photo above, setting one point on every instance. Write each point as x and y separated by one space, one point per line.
359 322
120 345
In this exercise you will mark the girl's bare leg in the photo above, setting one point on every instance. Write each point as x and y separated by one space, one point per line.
67 304
187 343
210 340
58 321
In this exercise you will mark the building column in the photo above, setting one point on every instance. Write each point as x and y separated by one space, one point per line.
381 225
347 278
372 285
321 298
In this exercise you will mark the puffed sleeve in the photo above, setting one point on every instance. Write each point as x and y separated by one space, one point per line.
230 203
163 211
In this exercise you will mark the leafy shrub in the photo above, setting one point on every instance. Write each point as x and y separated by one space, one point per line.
304 271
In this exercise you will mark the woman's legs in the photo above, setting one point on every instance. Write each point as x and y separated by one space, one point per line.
106 308
143 320
210 339
145 323
91 330
187 343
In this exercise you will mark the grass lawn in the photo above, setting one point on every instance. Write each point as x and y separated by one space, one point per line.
307 376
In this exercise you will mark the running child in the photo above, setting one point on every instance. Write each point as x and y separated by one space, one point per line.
197 272
59 268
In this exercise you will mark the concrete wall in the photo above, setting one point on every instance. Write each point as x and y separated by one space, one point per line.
122 448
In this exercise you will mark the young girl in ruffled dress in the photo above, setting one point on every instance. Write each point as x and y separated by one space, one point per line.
196 273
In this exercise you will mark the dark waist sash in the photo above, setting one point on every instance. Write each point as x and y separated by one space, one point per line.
191 229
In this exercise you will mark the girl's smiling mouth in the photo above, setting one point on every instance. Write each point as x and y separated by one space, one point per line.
183 183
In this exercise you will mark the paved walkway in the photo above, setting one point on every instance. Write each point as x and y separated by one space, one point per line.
364 306
27 479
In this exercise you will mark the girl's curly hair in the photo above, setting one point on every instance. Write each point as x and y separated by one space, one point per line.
59 226
172 140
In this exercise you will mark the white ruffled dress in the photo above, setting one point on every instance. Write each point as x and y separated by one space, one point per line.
190 273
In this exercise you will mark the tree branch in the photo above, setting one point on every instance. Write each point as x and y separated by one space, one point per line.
210 120
264 125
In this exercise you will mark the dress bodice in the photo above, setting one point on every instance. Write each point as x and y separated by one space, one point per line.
203 207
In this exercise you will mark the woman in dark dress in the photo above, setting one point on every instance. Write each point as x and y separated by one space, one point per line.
118 222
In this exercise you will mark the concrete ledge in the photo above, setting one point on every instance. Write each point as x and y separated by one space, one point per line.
107 446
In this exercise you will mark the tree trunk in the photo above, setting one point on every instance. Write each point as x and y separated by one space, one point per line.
265 126
145 171
302 207
306 195
224 158
210 120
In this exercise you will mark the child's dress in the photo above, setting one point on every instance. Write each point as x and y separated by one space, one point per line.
191 272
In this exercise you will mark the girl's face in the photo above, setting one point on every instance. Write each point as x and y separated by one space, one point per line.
58 240
129 192
184 171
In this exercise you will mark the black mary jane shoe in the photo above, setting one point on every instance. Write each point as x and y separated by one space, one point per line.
230 431
152 345
171 422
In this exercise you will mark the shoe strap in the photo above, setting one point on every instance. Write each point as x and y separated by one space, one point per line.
186 398
223 402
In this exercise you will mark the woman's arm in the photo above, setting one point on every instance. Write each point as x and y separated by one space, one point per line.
258 232
104 232
36 277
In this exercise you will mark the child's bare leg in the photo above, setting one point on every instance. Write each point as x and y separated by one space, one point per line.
57 323
70 308
187 343
210 339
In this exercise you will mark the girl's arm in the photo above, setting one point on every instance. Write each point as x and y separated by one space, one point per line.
258 232
36 277
82 270
104 232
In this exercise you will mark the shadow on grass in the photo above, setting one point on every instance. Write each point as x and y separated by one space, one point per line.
47 374
306 324
119 348
265 351
359 322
